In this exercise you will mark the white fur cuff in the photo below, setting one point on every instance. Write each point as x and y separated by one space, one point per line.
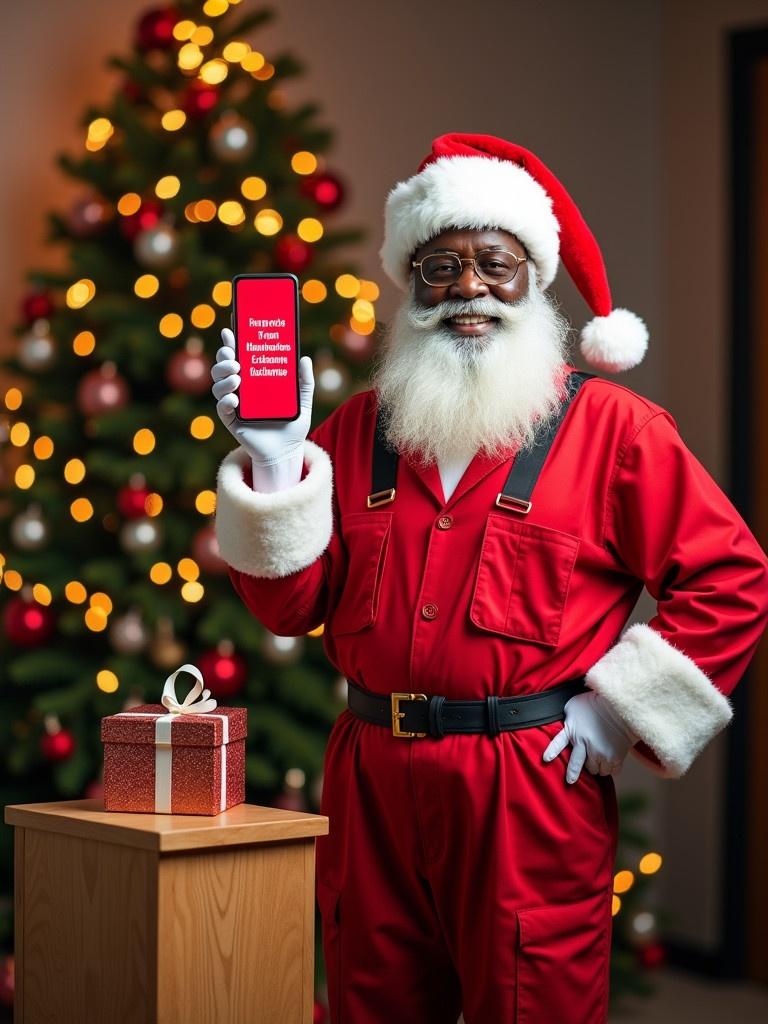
279 533
662 695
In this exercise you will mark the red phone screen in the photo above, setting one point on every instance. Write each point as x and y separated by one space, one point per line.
266 334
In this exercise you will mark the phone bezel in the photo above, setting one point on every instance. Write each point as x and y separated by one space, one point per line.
261 277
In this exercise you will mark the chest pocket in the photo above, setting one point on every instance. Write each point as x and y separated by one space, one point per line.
366 537
522 579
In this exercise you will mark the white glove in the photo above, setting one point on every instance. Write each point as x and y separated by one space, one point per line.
599 737
276 448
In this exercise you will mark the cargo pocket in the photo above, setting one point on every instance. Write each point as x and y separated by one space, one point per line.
522 581
328 902
366 537
563 961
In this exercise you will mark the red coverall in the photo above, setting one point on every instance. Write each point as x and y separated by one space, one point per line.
464 872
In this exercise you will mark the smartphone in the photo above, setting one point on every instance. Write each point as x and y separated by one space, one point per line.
265 323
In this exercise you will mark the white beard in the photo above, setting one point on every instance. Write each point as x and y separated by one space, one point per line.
446 396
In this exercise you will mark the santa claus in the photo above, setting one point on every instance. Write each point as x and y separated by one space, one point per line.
474 531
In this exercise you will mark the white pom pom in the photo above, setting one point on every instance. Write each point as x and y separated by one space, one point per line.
615 342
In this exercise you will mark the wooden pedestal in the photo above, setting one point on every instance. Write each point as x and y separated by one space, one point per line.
164 919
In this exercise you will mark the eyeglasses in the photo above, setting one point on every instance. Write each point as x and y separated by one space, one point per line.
494 266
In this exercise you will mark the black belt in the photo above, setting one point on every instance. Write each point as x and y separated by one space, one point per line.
416 714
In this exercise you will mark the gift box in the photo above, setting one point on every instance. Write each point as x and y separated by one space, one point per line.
175 757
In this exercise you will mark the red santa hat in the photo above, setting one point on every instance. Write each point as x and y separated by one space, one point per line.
481 181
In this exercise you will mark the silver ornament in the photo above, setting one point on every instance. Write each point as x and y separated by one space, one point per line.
141 534
128 634
156 247
29 531
331 378
37 349
232 138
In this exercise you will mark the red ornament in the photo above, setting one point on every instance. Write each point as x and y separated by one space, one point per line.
57 746
147 216
224 670
7 980
131 501
37 305
27 623
88 215
205 551
189 370
325 189
102 390
652 955
155 29
199 99
293 254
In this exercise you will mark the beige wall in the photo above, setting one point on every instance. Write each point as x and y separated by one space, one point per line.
623 100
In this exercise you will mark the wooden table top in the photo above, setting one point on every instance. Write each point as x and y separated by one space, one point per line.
243 824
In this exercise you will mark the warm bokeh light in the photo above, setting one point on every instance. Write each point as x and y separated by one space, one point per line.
160 572
622 881
42 594
363 310
188 569
189 57
650 863
347 286
107 681
101 600
231 212
95 619
129 203
205 502
368 290
189 213
74 471
75 592
171 325
362 326
12 579
254 187
615 905
304 162
24 477
201 428
43 447
172 120
19 434
235 51
309 229
100 131
143 441
167 187
84 343
313 290
268 222
205 210
318 631
13 399
254 61
222 293
153 504
183 30
215 8
192 591
80 293
263 74
213 72
146 286
203 35
203 315
81 510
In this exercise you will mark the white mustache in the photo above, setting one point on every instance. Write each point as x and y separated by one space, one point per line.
428 317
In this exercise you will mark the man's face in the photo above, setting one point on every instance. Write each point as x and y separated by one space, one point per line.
468 243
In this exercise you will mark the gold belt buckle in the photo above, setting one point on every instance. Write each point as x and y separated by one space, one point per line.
397 714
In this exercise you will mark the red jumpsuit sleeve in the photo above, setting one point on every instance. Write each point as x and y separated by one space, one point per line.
669 524
279 546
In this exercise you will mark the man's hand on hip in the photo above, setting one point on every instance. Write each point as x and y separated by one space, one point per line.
599 736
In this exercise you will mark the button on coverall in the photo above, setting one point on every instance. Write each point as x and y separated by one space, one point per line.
464 872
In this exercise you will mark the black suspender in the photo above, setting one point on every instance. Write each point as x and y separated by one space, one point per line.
526 466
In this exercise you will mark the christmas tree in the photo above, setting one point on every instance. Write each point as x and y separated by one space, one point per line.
196 169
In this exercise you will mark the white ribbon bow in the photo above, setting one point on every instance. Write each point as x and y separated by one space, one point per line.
191 705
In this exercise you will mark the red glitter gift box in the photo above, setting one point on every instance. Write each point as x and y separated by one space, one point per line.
175 758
